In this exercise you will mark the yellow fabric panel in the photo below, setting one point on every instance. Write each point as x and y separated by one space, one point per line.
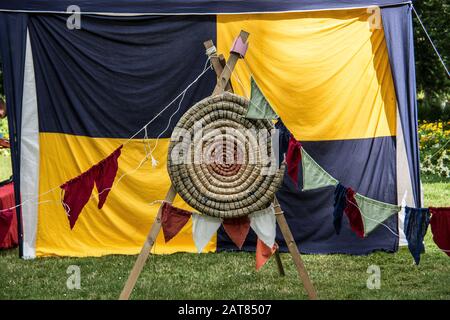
325 73
122 225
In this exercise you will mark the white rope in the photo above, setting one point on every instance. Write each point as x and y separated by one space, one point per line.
205 68
170 103
211 51
236 76
431 41
439 149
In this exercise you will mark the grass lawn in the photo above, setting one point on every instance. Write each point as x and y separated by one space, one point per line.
233 276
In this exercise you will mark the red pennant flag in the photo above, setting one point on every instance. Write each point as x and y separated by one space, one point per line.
237 229
263 253
76 194
293 158
106 173
440 228
173 220
78 190
353 213
6 218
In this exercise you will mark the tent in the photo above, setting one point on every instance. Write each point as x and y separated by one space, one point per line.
339 73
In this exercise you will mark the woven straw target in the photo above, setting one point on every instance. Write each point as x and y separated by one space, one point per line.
222 172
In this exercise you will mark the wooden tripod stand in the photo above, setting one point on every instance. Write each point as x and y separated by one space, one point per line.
223 71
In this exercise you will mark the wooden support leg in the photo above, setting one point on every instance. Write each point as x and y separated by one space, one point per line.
279 263
218 62
225 76
145 251
293 250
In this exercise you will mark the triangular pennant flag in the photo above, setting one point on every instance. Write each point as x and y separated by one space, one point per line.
440 227
314 176
374 212
259 107
339 205
293 158
6 218
107 170
203 228
416 225
263 222
263 253
77 192
237 229
173 220
353 214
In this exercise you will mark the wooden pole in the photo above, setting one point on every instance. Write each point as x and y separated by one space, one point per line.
279 263
145 251
293 249
217 61
229 67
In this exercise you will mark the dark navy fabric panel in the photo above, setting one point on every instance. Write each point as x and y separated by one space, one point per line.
113 75
13 35
189 7
398 32
366 165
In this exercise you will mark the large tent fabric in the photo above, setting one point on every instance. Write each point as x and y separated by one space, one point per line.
73 96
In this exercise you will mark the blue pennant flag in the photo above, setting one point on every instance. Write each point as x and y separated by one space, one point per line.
416 225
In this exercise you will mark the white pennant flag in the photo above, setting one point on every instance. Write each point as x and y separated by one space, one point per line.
203 228
263 222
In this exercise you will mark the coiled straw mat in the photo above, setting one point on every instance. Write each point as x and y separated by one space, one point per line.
227 170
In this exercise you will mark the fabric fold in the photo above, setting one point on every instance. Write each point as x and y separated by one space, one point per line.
203 229
173 220
416 224
259 107
237 229
263 222
340 193
106 173
314 176
293 158
263 253
440 228
353 214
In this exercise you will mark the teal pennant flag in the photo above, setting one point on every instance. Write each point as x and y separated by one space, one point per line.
259 107
374 212
314 176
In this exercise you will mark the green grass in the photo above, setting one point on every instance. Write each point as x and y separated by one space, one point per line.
233 276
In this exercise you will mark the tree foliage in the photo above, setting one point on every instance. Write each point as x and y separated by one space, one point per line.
433 85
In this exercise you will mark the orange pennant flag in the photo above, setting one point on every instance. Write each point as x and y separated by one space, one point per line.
263 253
237 229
